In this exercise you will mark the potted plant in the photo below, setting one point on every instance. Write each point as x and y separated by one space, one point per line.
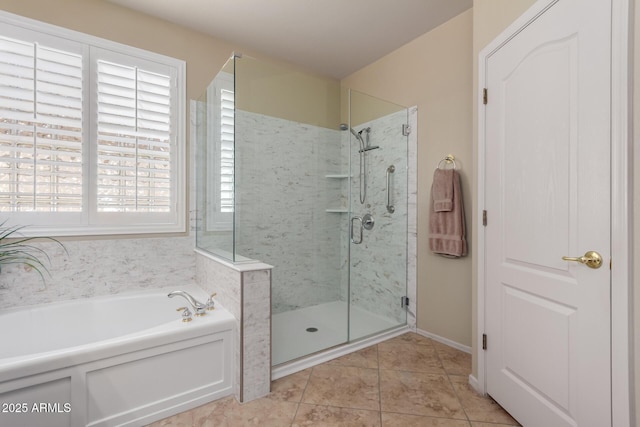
17 249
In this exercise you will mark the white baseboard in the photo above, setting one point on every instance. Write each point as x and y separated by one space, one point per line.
473 382
444 340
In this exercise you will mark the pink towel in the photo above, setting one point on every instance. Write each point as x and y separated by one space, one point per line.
446 228
442 190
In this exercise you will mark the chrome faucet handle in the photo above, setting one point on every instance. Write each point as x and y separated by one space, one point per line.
186 314
197 305
211 304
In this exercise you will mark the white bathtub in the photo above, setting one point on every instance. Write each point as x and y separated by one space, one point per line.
126 359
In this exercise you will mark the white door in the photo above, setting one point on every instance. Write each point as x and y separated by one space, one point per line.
547 195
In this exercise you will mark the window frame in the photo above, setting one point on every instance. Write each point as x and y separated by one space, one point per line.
89 221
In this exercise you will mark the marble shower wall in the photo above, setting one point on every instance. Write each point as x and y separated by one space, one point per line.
288 175
282 197
100 267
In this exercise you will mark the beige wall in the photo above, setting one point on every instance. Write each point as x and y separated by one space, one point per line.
434 73
365 108
281 90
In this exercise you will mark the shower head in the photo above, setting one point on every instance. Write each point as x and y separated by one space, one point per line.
358 135
344 126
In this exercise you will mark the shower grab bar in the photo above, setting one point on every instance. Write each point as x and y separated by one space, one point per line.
353 239
390 208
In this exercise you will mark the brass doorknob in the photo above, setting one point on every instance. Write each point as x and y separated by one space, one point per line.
591 259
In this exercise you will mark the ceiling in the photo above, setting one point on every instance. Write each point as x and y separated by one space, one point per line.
330 37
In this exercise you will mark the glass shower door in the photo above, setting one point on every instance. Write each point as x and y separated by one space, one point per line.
287 155
377 216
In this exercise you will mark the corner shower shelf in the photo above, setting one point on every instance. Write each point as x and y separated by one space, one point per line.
338 176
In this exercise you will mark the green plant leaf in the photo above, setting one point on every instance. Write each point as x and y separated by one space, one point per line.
17 249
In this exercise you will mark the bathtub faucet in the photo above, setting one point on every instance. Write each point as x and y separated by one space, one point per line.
198 307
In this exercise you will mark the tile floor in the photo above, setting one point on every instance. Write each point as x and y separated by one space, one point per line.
406 381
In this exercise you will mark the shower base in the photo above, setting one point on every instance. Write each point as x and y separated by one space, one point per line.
292 340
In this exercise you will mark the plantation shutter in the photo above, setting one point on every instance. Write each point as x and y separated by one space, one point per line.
91 134
226 150
41 127
219 154
134 139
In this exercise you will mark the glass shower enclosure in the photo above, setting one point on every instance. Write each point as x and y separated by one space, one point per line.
311 178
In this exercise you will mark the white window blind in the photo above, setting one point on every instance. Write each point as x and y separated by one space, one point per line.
40 128
226 150
134 139
91 133
219 183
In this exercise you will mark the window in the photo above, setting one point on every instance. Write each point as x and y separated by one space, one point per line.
220 159
227 117
41 126
91 133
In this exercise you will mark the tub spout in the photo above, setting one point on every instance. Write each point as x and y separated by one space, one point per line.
198 307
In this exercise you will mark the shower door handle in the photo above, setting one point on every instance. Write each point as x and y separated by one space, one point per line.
390 208
353 237
366 223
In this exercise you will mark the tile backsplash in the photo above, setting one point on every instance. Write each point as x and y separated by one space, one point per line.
91 268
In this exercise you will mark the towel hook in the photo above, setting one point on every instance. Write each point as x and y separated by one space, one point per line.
449 159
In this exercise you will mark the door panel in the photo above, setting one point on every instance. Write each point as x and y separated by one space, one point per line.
537 144
527 362
377 255
547 196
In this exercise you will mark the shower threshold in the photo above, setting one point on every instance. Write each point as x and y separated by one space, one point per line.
309 330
